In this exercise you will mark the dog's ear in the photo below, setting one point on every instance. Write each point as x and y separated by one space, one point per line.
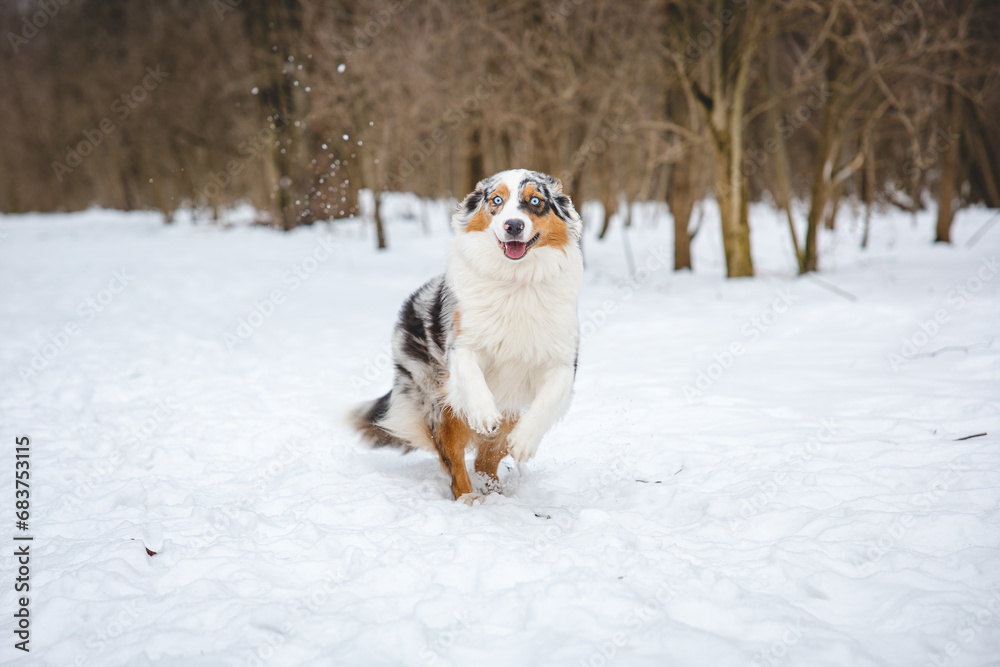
472 201
556 185
563 207
468 207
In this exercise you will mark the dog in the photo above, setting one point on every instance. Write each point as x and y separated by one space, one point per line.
485 355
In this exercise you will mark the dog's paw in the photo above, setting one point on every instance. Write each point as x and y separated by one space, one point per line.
472 499
477 408
486 483
521 445
486 420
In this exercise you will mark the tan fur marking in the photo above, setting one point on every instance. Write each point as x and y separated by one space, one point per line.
458 323
501 190
552 229
490 449
480 222
451 439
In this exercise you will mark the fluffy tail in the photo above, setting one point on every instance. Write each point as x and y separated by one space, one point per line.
366 418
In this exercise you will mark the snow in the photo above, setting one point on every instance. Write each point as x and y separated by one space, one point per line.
754 472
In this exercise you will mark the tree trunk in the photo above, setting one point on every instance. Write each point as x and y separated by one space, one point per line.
475 161
821 186
782 172
820 193
869 184
379 231
949 164
275 30
726 120
609 195
837 194
733 210
609 205
983 159
680 199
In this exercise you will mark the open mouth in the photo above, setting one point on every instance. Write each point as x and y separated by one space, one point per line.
517 249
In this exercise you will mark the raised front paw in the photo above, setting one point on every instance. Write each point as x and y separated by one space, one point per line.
521 445
485 420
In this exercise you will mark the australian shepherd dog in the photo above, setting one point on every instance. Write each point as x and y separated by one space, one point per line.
485 354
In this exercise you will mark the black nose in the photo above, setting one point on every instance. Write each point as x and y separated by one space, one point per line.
513 227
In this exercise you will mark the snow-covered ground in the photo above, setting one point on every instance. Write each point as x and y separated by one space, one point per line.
753 472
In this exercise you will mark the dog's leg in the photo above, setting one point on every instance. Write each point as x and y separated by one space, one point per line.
468 394
551 401
452 437
491 449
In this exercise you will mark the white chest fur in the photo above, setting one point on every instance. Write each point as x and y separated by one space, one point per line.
520 326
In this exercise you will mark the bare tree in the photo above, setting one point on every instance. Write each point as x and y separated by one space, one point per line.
663 102
737 30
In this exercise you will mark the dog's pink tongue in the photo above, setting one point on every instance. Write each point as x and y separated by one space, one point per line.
514 249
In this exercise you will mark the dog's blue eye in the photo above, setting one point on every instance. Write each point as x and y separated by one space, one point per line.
535 201
498 200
